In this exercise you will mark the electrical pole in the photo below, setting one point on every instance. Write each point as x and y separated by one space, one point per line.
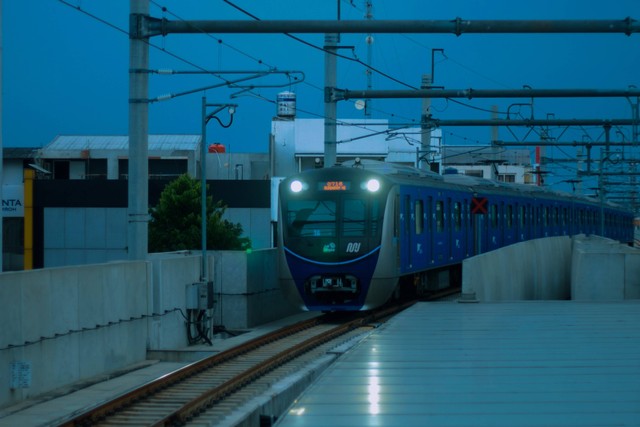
369 40
425 134
331 41
138 173
1 153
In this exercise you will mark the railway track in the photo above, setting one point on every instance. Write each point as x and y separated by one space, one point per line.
207 391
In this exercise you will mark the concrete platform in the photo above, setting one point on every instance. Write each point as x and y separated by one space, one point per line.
534 363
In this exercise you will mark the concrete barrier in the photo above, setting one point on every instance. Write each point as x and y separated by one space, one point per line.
63 325
603 269
532 270
247 290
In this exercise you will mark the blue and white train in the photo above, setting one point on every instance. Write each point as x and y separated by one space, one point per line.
351 236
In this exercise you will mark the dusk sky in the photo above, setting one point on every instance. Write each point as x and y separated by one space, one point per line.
66 71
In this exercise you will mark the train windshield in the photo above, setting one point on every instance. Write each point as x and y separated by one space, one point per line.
332 227
312 218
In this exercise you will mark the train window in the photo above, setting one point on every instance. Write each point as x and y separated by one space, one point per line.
522 220
430 215
509 216
311 218
493 215
419 216
565 216
556 216
457 216
439 215
407 213
354 217
396 217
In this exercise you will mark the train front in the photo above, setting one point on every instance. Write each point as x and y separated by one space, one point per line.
329 237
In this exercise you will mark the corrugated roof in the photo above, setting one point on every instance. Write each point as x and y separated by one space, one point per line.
121 142
18 152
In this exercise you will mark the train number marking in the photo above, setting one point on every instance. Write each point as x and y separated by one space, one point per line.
353 247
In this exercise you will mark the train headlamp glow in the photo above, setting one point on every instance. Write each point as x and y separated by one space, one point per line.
373 185
296 186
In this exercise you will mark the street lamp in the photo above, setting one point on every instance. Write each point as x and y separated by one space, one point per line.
206 117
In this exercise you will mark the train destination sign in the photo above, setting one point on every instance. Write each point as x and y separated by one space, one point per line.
335 185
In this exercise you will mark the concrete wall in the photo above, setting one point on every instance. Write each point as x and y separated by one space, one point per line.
604 269
534 270
68 324
172 274
246 288
579 268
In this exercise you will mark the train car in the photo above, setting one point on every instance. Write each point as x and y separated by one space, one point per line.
350 237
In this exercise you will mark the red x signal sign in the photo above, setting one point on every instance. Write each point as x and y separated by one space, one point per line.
479 205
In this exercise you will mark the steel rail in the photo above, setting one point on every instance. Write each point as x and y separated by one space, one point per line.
95 414
190 409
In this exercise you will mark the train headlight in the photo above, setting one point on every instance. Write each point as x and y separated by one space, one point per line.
373 185
296 186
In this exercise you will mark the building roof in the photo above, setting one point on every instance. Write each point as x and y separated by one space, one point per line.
121 142
18 152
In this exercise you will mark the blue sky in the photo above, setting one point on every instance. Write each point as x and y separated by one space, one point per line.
65 72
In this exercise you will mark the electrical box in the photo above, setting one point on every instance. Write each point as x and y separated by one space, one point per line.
199 296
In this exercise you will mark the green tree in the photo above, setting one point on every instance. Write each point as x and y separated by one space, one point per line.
176 221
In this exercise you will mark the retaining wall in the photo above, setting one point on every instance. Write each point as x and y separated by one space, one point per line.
533 270
604 269
554 268
67 324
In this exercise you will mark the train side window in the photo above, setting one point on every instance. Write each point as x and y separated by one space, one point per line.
493 215
545 216
457 216
509 216
419 208
439 215
396 217
430 214
407 213
522 220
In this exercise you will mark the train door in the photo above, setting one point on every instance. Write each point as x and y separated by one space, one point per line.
509 224
431 219
458 239
422 257
479 219
467 226
493 226
406 253
440 233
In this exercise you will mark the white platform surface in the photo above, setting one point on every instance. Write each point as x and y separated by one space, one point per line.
536 363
